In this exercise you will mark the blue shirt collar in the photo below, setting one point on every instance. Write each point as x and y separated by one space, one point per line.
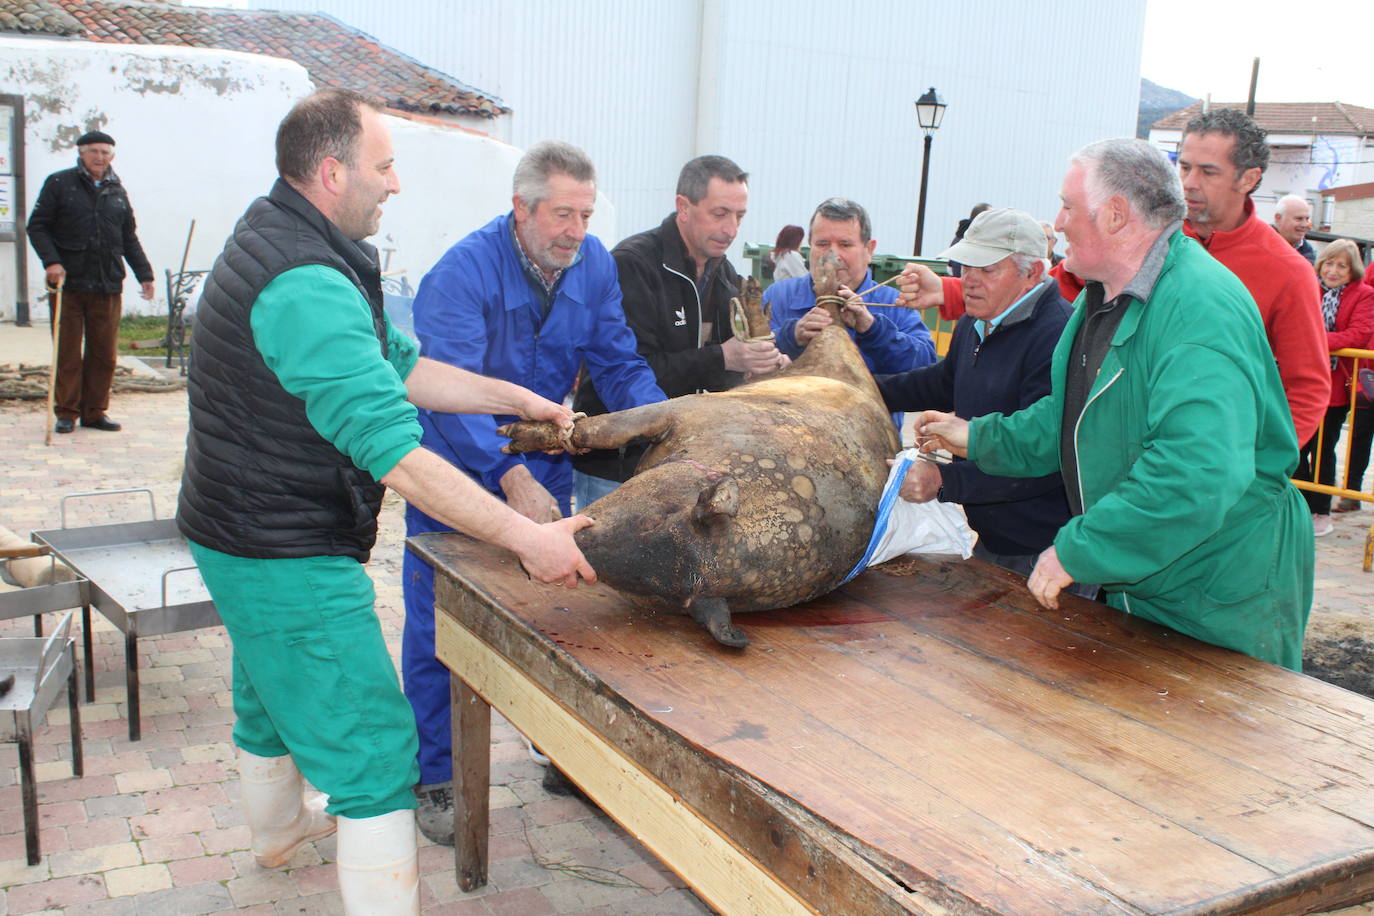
984 328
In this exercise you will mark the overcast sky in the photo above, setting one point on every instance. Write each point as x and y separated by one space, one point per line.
1309 52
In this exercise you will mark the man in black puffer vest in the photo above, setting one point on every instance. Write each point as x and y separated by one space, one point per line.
83 230
302 410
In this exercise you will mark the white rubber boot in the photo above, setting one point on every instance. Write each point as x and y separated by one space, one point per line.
378 871
280 819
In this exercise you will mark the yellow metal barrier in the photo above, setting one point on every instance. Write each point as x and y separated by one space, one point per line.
1346 491
941 330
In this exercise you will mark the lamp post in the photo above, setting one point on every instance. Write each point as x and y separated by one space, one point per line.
930 111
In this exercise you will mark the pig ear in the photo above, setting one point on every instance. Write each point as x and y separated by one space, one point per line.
719 499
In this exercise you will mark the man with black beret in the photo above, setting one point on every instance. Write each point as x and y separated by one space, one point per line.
82 228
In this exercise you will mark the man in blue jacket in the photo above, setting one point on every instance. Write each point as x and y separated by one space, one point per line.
527 298
891 338
998 361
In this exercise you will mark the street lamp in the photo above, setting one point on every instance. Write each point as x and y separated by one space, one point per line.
930 111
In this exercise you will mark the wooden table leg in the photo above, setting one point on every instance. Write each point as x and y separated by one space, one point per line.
471 783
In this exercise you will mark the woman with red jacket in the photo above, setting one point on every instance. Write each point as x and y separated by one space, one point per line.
1348 310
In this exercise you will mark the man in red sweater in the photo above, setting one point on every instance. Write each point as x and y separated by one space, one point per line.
1220 162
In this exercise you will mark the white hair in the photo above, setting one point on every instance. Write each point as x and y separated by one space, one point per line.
1024 262
1286 199
1138 172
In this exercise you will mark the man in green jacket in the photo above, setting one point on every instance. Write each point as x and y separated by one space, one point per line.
1168 421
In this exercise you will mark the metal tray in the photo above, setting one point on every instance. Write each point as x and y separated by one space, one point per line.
140 576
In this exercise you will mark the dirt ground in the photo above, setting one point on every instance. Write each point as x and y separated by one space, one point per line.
1341 652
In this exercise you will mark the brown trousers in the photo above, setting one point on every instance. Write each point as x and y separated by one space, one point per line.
84 378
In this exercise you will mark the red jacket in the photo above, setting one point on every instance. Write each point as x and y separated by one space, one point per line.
1354 326
1285 288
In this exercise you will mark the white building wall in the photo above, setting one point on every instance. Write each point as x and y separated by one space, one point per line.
812 99
194 133
452 182
1354 217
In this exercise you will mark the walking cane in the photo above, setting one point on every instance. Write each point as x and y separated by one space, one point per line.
50 417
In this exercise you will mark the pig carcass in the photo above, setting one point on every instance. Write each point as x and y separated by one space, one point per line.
756 498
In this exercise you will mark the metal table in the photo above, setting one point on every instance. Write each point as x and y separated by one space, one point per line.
141 577
37 600
41 668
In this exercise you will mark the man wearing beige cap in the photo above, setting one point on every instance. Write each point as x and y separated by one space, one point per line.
998 362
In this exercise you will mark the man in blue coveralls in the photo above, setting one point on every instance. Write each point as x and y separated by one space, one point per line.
891 338
527 298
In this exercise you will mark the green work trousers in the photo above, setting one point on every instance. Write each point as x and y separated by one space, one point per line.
313 679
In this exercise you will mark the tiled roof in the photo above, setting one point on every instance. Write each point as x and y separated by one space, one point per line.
1351 191
1289 117
36 16
332 53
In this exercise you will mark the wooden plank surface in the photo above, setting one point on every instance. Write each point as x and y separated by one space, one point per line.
932 724
718 870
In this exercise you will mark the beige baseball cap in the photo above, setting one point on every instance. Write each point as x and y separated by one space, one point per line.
995 234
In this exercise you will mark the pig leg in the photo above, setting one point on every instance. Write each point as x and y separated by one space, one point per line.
714 615
608 430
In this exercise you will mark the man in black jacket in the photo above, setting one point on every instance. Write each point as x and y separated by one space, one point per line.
998 361
676 285
83 230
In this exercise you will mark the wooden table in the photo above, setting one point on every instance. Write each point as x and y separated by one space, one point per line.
924 740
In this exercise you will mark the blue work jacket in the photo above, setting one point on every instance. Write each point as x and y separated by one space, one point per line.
897 342
477 309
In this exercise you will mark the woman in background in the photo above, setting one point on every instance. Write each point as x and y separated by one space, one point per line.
785 258
1348 310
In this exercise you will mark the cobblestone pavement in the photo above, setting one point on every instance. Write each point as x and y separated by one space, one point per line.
153 827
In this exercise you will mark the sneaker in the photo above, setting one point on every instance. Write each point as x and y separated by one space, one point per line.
1321 525
535 754
434 816
1346 504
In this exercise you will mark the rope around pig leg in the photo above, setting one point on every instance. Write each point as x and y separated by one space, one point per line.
832 304
565 435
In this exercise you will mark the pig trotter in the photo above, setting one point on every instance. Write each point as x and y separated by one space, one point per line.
532 436
714 615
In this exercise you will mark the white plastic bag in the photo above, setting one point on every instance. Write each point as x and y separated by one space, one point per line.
905 527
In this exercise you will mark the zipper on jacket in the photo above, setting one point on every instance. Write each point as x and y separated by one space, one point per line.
1077 451
695 295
